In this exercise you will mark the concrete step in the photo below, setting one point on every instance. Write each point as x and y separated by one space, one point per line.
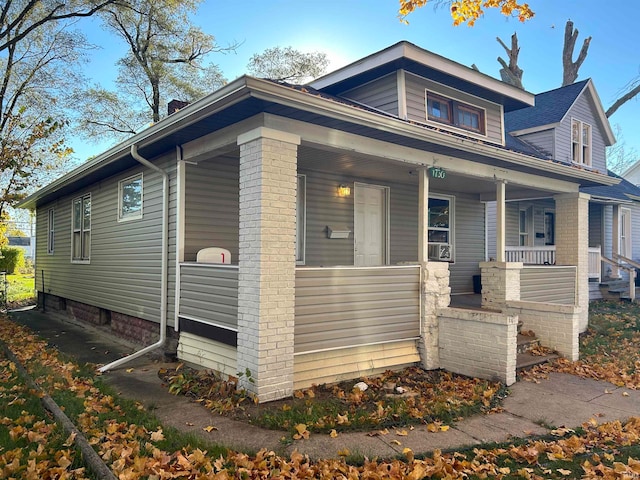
527 342
528 360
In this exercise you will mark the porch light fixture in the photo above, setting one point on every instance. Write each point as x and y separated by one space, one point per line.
344 190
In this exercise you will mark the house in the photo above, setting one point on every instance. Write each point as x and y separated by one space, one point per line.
309 234
569 125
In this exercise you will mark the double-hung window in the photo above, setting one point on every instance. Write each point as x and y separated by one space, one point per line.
440 228
625 233
130 198
51 214
457 114
301 218
81 236
580 142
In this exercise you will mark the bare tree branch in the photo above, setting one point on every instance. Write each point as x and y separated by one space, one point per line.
569 67
511 73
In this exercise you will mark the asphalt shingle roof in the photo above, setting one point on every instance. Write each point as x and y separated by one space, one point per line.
621 191
550 108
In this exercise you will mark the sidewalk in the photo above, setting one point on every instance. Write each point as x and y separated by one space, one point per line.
563 400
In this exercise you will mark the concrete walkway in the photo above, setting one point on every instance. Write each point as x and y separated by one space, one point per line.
563 400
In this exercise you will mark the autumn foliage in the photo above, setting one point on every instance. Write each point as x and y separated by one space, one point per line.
468 11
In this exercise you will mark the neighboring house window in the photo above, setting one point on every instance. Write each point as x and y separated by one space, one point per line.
51 231
452 112
301 218
625 233
581 142
130 198
441 228
81 240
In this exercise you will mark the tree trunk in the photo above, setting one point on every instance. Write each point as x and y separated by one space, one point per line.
569 67
511 73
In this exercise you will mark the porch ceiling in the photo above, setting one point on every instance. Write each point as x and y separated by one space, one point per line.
364 167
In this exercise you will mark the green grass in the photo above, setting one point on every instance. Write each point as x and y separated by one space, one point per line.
20 288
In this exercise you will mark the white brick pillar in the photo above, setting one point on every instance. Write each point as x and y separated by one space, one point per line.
500 283
572 245
436 294
266 286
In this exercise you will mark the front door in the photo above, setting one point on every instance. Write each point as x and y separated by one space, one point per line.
370 222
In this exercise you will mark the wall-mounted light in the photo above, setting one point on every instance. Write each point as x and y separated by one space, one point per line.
344 190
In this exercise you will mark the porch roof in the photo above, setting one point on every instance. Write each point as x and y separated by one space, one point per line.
247 97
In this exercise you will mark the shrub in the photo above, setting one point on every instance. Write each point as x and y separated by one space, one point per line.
13 259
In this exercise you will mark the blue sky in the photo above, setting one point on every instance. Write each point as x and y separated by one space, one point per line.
349 29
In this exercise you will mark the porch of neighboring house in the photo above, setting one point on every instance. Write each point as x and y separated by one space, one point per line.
347 308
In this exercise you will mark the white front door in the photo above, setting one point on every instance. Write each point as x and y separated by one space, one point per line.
370 225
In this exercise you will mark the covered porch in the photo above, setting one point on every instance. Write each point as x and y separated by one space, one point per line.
343 256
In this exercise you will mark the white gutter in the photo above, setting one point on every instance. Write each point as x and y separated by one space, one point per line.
165 264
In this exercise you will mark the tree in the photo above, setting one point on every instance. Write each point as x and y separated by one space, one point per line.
21 18
286 64
165 60
468 11
569 67
511 73
619 157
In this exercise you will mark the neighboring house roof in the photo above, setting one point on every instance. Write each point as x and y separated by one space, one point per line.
633 171
624 191
552 107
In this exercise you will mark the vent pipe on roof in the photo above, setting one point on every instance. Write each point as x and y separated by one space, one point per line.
164 268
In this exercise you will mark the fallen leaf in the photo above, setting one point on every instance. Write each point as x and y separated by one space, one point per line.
407 452
345 452
625 394
209 428
402 433
188 424
157 436
70 439
444 428
333 433
129 370
396 442
564 472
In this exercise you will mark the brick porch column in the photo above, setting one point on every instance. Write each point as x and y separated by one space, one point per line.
572 245
266 287
500 283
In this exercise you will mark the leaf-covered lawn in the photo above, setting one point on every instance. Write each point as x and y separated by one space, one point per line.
20 290
609 349
135 445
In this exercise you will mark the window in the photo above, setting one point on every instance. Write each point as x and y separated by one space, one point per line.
130 198
301 217
580 142
81 239
440 228
50 231
458 114
524 228
625 233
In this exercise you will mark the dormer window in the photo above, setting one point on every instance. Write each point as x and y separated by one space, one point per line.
580 142
457 114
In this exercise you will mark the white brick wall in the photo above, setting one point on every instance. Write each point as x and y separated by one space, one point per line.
478 344
500 283
436 294
266 283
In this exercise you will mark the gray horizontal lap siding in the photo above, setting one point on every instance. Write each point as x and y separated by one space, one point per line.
469 243
349 307
381 94
417 109
210 295
596 224
212 206
124 271
543 141
548 284
582 110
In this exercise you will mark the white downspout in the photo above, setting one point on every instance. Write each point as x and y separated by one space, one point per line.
165 264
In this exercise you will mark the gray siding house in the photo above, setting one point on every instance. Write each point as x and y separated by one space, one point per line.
317 233
568 125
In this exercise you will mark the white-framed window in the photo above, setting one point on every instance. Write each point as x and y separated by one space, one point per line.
130 198
51 237
301 218
625 233
441 228
580 142
455 113
81 229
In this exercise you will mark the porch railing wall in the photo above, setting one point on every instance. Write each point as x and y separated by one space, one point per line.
548 284
350 306
531 255
209 294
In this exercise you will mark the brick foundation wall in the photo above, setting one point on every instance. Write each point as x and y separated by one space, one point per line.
84 312
478 344
134 329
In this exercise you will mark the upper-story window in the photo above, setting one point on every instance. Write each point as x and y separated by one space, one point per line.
457 114
580 142
51 235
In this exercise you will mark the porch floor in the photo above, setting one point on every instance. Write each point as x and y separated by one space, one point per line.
471 301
